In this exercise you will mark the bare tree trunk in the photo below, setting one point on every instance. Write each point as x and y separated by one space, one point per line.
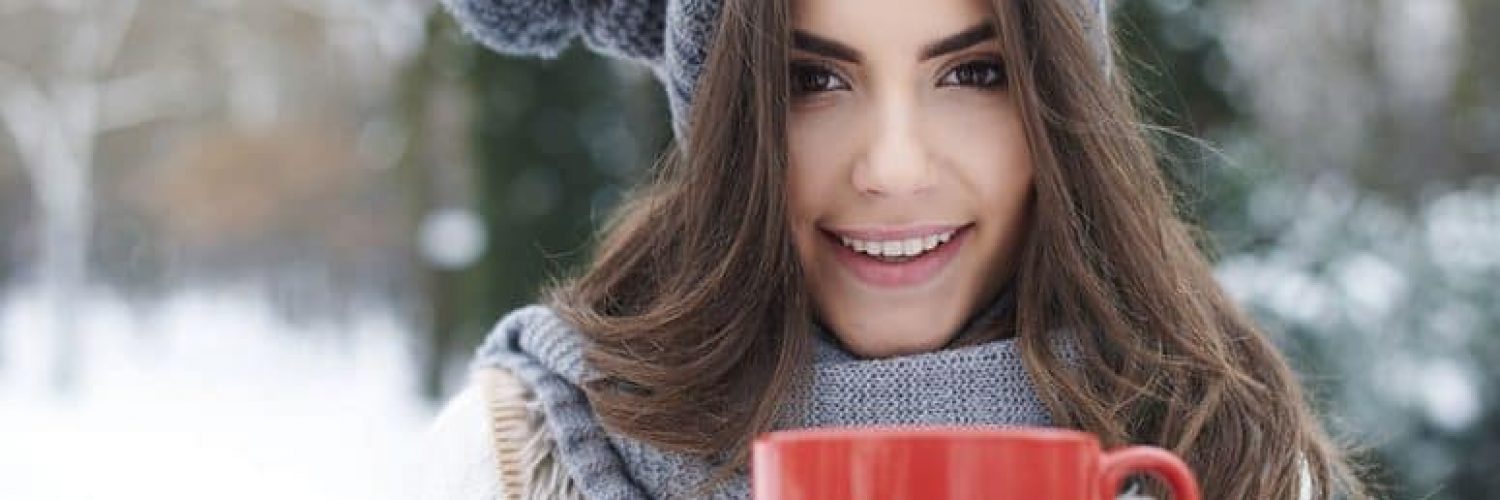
55 123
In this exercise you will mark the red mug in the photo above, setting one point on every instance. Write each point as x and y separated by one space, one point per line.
935 463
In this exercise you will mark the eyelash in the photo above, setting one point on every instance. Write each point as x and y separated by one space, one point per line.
994 79
802 72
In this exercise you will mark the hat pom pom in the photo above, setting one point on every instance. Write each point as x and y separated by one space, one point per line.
519 27
622 28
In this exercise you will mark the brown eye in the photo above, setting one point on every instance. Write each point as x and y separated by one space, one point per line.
812 78
981 74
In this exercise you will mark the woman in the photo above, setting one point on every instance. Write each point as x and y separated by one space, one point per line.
879 212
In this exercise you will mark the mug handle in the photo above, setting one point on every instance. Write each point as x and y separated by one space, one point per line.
1118 464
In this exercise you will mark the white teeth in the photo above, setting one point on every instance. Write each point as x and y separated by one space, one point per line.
890 248
909 247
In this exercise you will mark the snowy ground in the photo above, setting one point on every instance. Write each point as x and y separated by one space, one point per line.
207 395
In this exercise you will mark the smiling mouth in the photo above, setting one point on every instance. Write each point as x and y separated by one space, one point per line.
896 251
894 242
897 258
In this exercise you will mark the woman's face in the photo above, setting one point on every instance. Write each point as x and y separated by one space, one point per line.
910 177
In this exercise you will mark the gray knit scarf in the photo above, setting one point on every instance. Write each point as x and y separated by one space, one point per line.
983 384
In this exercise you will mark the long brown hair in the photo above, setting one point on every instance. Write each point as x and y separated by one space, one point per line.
699 323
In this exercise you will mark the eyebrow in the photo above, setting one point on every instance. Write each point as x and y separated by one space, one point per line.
959 41
803 40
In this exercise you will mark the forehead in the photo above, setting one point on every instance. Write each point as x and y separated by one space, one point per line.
898 25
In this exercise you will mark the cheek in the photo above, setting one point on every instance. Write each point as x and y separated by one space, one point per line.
982 136
978 126
816 145
818 139
983 139
803 183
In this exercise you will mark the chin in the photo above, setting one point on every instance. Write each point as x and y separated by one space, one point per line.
873 331
906 348
890 337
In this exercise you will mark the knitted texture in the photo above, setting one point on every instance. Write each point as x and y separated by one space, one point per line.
547 355
983 384
669 36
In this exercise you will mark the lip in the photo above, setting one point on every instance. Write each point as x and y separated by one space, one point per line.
884 233
917 271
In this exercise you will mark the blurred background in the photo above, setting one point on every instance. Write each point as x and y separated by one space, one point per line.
246 247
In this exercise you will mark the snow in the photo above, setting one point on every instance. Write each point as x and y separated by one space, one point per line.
207 394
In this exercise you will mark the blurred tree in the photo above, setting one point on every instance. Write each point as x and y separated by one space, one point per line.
554 143
56 110
1347 198
15 208
1177 67
175 143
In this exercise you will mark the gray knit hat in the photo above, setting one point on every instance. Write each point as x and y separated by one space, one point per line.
669 36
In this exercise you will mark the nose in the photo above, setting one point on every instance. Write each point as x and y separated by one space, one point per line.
896 161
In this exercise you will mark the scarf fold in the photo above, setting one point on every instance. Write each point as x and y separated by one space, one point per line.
983 384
